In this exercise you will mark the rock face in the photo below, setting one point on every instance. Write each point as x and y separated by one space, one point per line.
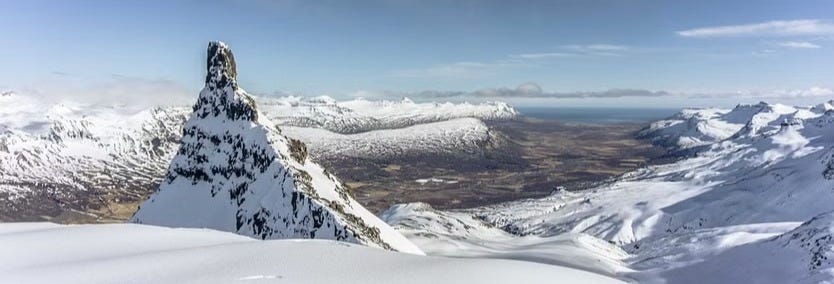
235 172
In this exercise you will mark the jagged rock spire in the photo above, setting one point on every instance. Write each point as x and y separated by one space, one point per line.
221 70
235 172
221 94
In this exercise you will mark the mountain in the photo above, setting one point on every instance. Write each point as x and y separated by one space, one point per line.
235 172
456 137
739 195
360 115
692 128
67 162
128 253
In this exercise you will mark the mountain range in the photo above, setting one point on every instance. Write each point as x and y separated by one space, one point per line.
77 162
745 196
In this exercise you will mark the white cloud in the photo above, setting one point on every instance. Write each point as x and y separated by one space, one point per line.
533 90
481 69
452 70
798 44
542 55
526 90
763 52
596 47
573 50
806 27
811 92
115 90
529 88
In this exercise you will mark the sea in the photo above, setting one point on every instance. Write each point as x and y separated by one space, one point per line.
598 115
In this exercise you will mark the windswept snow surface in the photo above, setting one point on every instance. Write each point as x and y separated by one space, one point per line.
132 253
460 234
758 172
808 247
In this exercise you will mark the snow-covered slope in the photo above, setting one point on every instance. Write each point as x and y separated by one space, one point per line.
66 157
462 136
132 253
744 186
460 234
698 127
234 172
361 115
798 256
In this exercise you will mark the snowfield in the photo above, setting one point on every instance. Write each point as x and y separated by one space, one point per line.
132 253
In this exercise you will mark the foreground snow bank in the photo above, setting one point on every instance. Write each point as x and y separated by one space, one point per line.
132 253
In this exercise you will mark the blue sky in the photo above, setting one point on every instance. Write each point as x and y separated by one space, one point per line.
719 51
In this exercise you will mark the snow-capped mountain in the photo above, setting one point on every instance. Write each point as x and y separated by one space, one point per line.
67 159
361 115
462 136
759 171
691 128
235 172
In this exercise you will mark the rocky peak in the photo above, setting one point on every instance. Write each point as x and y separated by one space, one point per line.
221 70
221 95
235 172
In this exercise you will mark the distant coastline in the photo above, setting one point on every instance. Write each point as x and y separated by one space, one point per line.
597 115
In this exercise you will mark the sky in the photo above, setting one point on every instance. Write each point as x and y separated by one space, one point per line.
560 52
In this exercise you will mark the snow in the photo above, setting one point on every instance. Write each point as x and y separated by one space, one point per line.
360 115
462 135
698 127
434 180
67 146
132 253
458 234
798 256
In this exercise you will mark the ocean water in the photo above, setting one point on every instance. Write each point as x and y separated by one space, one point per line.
598 115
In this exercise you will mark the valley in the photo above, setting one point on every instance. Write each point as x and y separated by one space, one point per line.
538 157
